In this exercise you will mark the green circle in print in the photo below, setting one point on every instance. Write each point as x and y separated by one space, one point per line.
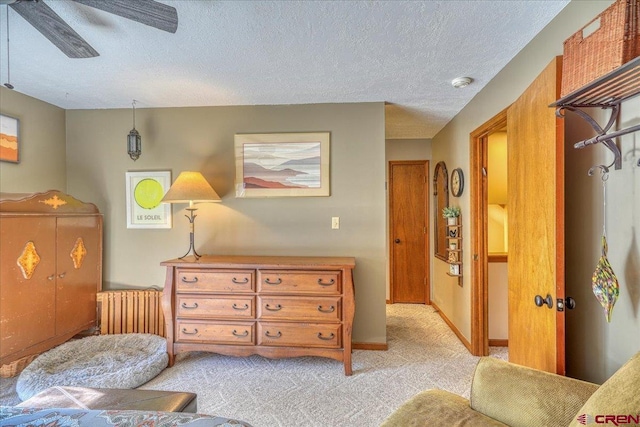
148 193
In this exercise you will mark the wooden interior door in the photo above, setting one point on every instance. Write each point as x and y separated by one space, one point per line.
536 224
408 206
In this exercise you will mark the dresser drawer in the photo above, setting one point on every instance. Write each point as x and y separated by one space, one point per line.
300 334
240 333
308 309
218 306
196 280
299 282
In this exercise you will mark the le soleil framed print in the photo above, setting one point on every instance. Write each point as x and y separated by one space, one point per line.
282 164
144 192
9 139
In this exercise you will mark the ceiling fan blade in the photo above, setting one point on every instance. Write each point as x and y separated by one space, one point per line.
45 20
148 12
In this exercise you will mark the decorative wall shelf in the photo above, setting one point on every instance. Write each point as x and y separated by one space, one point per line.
607 92
454 249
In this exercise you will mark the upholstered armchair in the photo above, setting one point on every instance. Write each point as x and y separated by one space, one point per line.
505 394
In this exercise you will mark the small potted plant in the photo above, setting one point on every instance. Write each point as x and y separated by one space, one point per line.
451 213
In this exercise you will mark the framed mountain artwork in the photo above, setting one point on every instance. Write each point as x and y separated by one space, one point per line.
282 164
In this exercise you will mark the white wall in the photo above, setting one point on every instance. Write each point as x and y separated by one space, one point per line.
498 301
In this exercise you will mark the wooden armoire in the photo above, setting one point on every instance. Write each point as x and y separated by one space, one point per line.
50 271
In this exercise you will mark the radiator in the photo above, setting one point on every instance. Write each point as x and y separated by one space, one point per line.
132 311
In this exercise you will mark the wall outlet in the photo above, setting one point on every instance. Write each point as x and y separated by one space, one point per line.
335 222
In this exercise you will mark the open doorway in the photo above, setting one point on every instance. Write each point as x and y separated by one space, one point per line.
489 240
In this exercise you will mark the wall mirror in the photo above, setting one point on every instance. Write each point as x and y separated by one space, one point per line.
440 201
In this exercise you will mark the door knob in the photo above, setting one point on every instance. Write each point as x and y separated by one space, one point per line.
542 301
397 240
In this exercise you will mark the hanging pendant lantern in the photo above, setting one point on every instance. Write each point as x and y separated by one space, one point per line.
8 83
134 140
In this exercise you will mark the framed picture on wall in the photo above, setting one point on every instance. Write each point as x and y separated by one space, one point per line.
282 164
144 192
9 139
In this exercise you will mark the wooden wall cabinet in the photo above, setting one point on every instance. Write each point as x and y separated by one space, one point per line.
50 271
271 306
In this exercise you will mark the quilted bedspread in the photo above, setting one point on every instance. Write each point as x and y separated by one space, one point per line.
58 417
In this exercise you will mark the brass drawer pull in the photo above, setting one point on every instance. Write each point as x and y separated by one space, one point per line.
269 282
235 333
278 335
61 276
330 310
321 283
237 307
329 338
190 307
184 331
238 282
277 307
53 276
185 280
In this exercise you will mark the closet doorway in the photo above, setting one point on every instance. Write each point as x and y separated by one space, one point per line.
409 231
490 226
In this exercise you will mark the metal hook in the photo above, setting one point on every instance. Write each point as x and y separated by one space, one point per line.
604 169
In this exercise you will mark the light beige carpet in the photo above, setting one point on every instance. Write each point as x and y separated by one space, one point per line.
304 392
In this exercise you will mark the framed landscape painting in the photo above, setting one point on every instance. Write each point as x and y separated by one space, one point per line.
144 192
282 164
9 140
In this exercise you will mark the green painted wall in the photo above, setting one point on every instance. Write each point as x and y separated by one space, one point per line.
42 146
202 139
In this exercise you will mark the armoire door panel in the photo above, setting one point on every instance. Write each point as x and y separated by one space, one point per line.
27 298
78 267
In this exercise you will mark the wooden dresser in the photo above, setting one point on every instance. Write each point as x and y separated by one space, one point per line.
273 306
50 271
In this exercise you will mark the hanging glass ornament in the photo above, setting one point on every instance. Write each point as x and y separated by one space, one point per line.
605 283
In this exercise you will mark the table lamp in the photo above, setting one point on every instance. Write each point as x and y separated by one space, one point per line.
191 187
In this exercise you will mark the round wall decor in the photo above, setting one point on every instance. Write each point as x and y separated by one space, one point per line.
457 182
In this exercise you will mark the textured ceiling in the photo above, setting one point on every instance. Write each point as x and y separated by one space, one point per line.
404 53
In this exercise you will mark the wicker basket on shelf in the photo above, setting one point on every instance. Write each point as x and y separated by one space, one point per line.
589 55
14 368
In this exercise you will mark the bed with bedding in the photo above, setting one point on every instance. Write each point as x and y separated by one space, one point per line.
63 417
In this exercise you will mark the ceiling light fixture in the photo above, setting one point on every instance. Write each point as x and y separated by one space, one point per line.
461 82
134 140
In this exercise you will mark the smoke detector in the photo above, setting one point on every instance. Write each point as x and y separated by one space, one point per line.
461 82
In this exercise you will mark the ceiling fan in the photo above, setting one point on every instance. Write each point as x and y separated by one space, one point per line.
54 28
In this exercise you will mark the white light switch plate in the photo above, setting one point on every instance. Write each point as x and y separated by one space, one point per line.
335 222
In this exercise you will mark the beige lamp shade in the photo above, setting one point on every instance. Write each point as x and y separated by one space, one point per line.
190 187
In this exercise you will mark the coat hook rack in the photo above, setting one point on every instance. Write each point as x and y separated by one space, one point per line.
607 92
